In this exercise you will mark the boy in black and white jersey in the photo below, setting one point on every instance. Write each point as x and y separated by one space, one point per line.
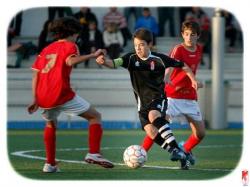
147 70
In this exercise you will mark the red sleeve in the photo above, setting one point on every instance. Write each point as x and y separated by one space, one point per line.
72 50
38 64
177 74
176 53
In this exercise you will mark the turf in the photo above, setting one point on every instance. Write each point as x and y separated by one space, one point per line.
216 156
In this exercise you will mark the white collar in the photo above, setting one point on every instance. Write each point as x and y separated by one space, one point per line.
149 55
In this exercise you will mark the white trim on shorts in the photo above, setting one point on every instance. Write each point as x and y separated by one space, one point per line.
178 108
74 107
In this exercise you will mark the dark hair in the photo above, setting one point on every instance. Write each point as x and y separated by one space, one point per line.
192 25
65 27
143 34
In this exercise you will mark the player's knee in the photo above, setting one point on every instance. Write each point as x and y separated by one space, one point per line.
92 115
51 124
200 134
98 116
153 115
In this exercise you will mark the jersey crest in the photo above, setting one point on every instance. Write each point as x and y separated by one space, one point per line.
152 65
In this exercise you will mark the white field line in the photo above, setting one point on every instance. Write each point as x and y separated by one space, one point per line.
26 154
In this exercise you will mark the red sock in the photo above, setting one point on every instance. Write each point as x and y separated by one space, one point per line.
50 144
147 143
191 142
95 137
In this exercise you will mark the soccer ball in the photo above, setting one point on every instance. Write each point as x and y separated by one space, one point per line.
135 156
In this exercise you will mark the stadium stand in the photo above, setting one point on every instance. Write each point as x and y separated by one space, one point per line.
110 90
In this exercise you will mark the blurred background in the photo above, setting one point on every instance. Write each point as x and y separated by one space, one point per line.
108 90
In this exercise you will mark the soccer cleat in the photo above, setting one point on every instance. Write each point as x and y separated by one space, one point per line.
47 168
177 154
185 164
98 159
190 156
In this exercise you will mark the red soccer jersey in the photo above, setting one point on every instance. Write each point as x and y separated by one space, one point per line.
182 85
53 86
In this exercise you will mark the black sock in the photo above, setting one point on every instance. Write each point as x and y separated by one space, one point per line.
165 137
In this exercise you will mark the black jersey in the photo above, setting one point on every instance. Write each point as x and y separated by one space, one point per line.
147 76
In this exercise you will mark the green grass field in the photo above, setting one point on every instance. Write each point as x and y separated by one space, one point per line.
216 156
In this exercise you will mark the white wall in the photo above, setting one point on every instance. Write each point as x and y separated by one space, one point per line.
33 19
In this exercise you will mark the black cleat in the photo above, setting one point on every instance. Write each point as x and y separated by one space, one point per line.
190 158
177 154
185 164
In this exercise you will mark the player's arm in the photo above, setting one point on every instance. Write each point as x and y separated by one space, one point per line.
188 71
101 60
167 75
74 59
33 106
191 75
170 62
115 63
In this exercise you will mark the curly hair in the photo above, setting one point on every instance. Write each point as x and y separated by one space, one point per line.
64 27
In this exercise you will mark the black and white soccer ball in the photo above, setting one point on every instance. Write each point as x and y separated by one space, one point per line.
135 156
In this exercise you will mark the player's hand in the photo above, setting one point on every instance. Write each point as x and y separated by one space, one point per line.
99 52
100 60
32 108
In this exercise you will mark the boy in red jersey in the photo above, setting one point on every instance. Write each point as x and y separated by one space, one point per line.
52 92
182 97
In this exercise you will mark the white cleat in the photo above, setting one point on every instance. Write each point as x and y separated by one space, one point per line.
98 159
47 168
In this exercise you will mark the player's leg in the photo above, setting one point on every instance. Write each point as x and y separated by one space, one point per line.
50 140
164 132
147 143
95 129
198 133
153 134
192 112
80 107
156 117
95 138
148 118
163 129
162 135
190 109
151 131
